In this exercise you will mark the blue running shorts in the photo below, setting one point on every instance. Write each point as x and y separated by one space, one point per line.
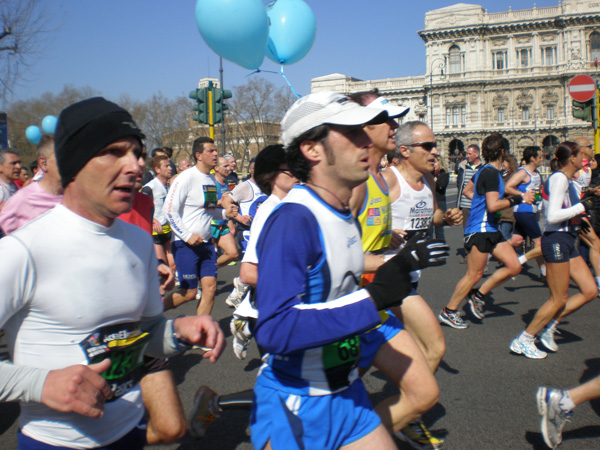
301 422
193 262
526 224
371 340
559 246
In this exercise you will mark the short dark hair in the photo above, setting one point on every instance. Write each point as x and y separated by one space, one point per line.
168 151
563 152
361 97
266 166
531 152
492 147
198 146
298 164
154 151
391 155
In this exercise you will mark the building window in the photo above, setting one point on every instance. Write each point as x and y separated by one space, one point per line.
550 112
456 115
501 115
549 56
595 46
524 57
525 113
499 60
454 57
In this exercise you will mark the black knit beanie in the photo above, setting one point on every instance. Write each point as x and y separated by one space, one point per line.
85 128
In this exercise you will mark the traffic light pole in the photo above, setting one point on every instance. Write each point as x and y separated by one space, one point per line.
222 124
211 112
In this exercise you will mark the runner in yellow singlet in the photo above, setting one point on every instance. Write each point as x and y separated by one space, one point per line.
390 346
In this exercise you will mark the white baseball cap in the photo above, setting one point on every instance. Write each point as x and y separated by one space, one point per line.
393 111
326 107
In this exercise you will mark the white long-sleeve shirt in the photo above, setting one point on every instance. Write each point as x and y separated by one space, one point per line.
72 290
191 204
562 203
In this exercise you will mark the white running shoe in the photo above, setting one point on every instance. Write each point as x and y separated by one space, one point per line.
240 330
553 416
547 338
237 294
527 349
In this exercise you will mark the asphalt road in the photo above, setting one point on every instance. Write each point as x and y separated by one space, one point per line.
487 394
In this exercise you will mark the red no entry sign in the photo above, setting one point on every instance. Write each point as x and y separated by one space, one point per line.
582 88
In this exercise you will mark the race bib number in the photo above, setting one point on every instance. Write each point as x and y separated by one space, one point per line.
419 216
210 196
341 352
124 344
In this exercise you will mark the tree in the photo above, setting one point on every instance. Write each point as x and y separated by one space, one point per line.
23 23
24 113
165 122
255 111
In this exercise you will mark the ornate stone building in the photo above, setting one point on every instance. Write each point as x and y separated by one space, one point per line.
507 72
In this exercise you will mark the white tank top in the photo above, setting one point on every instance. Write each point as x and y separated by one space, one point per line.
412 210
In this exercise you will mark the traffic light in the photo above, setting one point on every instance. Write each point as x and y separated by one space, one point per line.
219 106
582 110
201 106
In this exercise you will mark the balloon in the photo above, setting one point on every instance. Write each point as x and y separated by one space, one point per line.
237 30
49 124
292 31
33 134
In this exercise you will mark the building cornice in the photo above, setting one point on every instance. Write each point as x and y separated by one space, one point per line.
485 30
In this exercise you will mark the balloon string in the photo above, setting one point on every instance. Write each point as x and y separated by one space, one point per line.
259 71
289 84
282 74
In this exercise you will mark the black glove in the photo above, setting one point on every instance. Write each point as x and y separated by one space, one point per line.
586 227
392 283
587 201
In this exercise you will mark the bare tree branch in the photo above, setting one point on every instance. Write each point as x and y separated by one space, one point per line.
23 24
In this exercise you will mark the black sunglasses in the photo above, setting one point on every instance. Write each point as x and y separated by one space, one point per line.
426 145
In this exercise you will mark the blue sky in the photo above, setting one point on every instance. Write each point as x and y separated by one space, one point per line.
142 47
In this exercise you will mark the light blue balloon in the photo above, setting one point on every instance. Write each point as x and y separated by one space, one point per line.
33 134
237 30
49 124
292 31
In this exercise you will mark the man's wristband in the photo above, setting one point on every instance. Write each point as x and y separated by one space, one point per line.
180 344
515 200
162 261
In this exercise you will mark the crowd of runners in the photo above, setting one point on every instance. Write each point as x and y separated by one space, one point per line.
361 191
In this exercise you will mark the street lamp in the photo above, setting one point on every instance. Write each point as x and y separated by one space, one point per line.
437 63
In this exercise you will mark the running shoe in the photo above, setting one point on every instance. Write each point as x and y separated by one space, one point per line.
198 294
553 417
203 413
419 437
547 338
237 294
476 305
452 319
527 349
240 330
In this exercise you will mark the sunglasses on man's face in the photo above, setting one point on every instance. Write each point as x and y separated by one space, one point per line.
425 145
